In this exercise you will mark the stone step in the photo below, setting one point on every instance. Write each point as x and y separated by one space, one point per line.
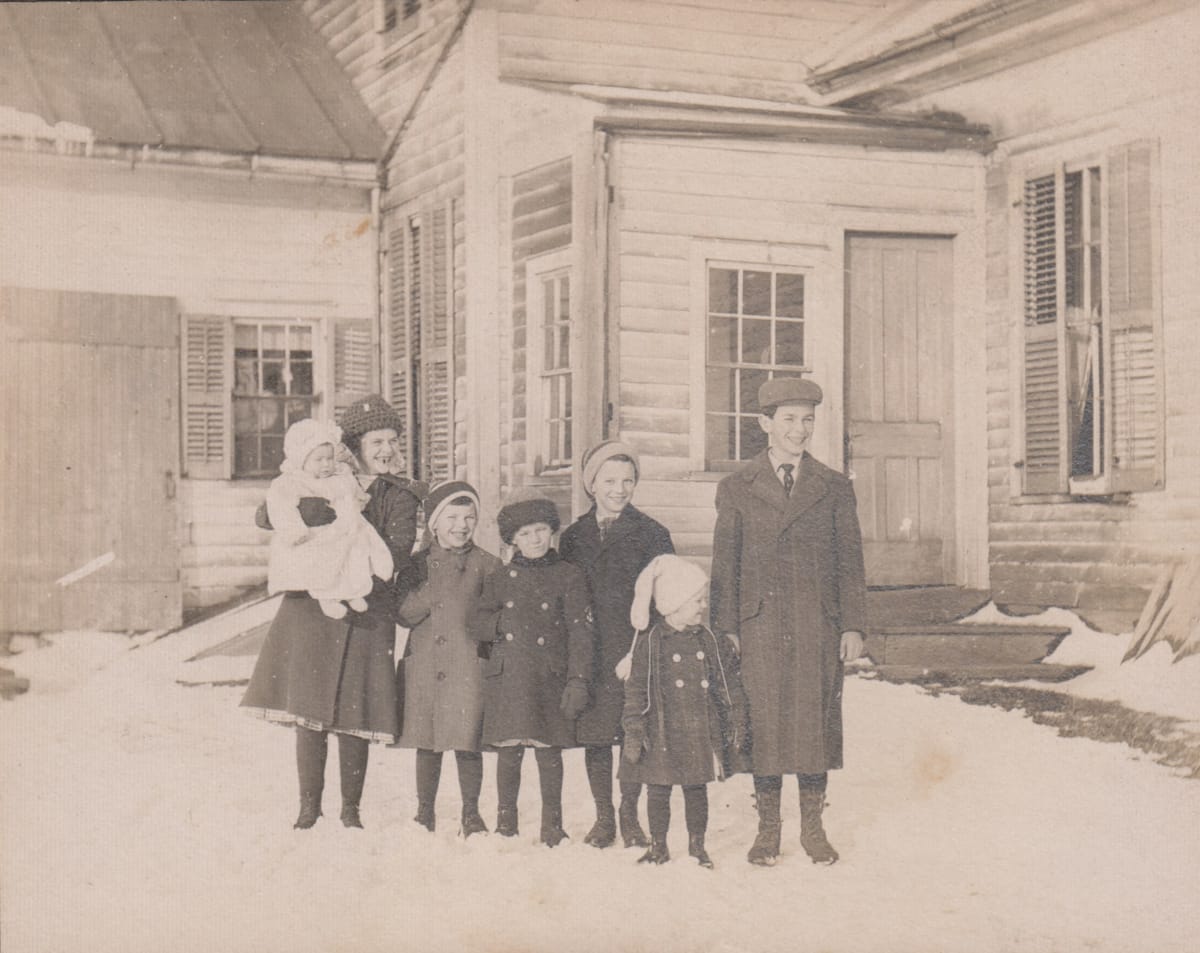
224 556
239 577
962 644
1040 671
225 492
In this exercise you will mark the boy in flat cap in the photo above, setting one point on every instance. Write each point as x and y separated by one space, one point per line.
788 588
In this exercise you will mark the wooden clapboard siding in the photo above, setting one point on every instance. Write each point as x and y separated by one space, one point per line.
389 74
1100 559
220 245
737 47
539 221
671 194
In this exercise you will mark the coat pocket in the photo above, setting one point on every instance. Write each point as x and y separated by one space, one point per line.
753 612
493 666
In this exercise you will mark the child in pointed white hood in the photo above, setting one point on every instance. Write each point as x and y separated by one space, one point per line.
334 563
686 720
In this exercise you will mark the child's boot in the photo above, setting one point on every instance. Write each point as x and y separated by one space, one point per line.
812 832
631 829
310 810
657 854
311 748
425 816
696 849
472 822
765 850
552 829
470 782
604 831
506 820
352 756
429 774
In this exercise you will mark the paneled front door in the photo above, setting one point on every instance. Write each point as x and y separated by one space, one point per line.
899 396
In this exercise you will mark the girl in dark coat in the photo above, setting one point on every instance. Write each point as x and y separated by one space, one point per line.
443 671
537 614
322 674
612 542
686 718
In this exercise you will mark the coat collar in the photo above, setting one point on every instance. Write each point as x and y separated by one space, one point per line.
810 487
619 527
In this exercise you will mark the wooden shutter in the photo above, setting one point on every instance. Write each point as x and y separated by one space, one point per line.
398 344
437 337
1135 375
353 361
207 359
1044 470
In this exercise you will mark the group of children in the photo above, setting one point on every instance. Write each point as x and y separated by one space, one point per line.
602 642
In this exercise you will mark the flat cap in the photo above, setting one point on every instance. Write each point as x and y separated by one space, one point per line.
787 390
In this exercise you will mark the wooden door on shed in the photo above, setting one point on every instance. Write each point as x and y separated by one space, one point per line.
89 387
899 398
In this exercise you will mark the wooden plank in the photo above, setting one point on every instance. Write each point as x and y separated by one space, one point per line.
1041 671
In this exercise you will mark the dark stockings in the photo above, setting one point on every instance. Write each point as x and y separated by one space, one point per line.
658 807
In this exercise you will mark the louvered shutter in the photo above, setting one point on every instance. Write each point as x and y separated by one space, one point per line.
1044 468
437 334
1135 375
206 396
353 361
398 346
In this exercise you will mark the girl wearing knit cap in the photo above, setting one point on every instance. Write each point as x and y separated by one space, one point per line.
612 542
326 675
335 562
536 613
442 668
686 719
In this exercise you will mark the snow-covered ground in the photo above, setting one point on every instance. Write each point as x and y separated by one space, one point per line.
142 815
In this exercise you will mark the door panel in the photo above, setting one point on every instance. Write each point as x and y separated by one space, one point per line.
89 383
898 369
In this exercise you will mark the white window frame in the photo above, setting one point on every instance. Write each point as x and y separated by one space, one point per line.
538 269
809 261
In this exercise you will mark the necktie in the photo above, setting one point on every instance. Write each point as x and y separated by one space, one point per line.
788 480
605 525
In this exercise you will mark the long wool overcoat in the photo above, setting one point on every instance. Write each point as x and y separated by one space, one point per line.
537 616
340 674
685 698
787 579
442 670
612 568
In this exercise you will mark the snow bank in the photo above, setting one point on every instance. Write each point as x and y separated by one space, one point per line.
1151 683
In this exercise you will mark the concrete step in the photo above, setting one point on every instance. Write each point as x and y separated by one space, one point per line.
238 577
962 644
225 492
1041 672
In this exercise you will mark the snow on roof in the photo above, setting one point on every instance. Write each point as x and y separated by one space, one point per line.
247 77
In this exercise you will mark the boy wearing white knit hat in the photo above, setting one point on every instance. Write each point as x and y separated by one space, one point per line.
686 719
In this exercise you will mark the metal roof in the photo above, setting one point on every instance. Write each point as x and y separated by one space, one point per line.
246 77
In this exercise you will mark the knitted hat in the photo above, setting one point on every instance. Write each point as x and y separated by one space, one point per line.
302 438
368 413
523 508
595 458
443 495
671 580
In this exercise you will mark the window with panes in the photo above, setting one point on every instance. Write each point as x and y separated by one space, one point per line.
273 388
555 378
754 325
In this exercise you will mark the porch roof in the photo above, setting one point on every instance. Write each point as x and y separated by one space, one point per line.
251 77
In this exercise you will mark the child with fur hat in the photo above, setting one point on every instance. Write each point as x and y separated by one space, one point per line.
536 613
335 563
686 719
612 542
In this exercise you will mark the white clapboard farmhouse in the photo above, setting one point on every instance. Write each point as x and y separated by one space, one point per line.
537 223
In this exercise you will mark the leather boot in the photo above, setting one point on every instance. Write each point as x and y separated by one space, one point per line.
552 830
696 849
631 829
765 850
425 816
310 810
506 821
812 832
657 854
472 822
604 831
350 815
